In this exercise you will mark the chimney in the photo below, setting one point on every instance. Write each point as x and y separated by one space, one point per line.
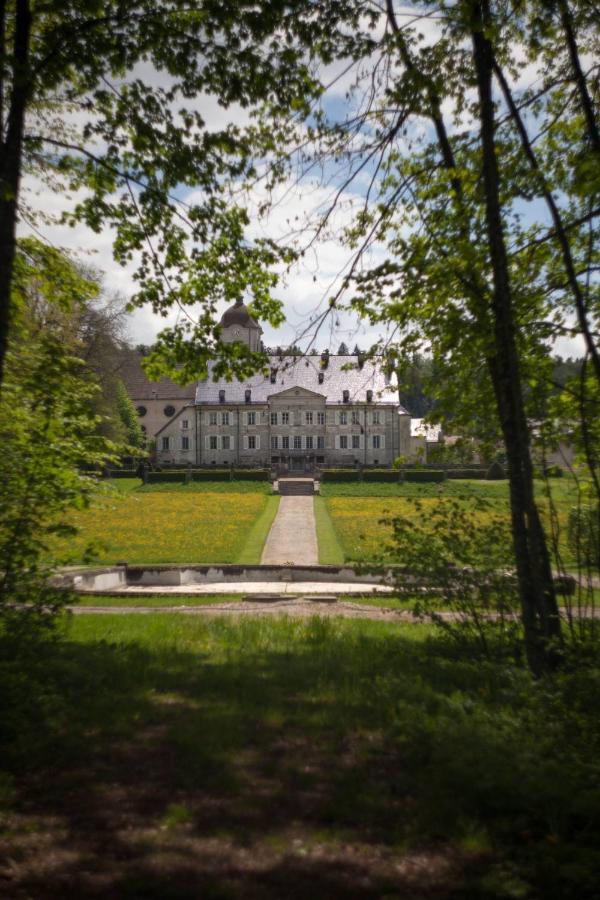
324 359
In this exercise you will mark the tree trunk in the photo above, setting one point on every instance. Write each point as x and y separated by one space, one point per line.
11 148
538 600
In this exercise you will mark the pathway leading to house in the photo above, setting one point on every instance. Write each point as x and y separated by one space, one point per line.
293 536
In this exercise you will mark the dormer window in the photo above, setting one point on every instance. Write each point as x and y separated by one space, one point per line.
369 396
273 376
321 377
346 396
248 395
221 396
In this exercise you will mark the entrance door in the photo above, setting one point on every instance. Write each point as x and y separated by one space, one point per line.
297 464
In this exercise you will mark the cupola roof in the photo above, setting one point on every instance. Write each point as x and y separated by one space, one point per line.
238 314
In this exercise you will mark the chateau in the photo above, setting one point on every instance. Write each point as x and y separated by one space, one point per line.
305 412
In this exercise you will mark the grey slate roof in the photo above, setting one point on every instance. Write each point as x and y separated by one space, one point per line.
303 372
140 388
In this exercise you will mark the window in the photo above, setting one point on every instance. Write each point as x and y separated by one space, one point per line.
376 417
273 418
376 442
285 442
185 424
165 443
285 418
274 442
297 442
308 418
355 417
169 411
185 442
343 442
355 441
343 418
309 442
141 411
321 418
252 442
212 418
225 418
320 442
212 442
226 442
251 418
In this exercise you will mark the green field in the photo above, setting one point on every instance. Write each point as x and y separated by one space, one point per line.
169 757
172 526
356 510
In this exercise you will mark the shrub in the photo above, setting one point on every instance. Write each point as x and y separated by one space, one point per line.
553 472
121 473
495 472
425 475
466 473
158 477
584 534
211 475
339 475
251 474
387 476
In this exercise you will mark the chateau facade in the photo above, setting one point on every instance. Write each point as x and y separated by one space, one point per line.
305 412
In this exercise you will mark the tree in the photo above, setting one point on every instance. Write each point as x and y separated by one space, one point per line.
49 435
488 210
138 144
343 349
132 434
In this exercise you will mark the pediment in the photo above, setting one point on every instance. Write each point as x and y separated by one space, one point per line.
297 393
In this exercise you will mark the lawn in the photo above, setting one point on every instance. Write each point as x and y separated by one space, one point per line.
356 510
164 757
167 526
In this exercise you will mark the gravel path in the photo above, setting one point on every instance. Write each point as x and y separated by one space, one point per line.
299 608
293 535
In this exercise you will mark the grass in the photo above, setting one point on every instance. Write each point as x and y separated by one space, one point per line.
167 527
330 550
168 757
357 509
253 548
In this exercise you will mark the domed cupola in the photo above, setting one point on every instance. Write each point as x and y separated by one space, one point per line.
238 325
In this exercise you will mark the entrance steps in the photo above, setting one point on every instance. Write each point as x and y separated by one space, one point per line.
296 487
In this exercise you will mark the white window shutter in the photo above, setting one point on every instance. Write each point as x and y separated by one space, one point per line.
382 440
337 442
206 442
245 442
232 442
258 441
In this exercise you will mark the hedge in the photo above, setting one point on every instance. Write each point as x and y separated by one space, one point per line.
466 473
157 477
339 475
211 475
121 473
387 476
435 475
251 474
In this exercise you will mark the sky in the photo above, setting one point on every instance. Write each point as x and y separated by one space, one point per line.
304 289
